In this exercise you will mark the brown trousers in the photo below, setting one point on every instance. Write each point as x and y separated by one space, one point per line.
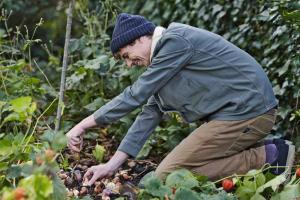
221 148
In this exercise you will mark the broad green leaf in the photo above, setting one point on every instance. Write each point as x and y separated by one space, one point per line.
12 117
244 192
154 186
289 192
257 197
14 171
59 189
96 104
181 178
145 151
21 104
39 186
260 179
2 103
99 152
3 166
5 147
185 193
87 52
59 141
274 183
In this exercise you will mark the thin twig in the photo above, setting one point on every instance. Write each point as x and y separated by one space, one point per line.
43 74
38 119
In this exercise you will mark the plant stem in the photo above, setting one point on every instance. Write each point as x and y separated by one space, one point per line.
35 125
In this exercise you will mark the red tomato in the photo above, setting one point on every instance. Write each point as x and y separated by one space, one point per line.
227 185
298 172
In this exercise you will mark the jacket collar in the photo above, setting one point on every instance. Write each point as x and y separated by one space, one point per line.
157 34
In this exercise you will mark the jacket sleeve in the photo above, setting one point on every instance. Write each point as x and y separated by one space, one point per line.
173 53
141 129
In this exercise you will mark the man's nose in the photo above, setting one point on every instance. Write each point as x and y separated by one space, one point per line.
128 62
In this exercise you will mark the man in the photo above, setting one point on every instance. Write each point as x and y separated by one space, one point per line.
201 76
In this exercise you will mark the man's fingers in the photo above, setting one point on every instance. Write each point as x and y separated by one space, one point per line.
73 148
74 143
75 139
93 179
88 173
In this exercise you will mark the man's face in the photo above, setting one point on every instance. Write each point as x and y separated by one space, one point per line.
137 53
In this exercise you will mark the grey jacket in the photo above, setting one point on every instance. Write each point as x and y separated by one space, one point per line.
196 73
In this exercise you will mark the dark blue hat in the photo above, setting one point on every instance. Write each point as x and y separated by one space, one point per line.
128 28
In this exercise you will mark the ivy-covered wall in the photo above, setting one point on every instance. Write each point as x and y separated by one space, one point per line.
260 27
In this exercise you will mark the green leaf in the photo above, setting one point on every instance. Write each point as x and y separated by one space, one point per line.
154 186
244 192
181 178
97 103
87 52
185 193
74 45
257 197
289 192
57 141
260 179
14 171
282 70
5 147
99 152
21 104
274 183
2 103
59 189
145 151
38 186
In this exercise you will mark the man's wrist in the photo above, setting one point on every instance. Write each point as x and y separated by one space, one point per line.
88 122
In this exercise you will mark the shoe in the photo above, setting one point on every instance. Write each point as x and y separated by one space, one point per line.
286 156
277 141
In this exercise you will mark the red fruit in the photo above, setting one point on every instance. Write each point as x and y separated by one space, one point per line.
227 185
298 172
20 193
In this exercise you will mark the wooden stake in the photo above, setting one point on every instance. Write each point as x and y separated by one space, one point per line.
64 66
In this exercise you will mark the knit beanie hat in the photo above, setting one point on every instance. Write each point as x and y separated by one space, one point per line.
129 28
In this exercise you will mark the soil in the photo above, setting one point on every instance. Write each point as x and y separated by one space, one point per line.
123 184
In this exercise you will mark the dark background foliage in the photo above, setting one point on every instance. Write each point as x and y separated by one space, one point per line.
265 29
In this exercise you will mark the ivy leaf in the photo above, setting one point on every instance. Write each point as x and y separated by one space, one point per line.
97 103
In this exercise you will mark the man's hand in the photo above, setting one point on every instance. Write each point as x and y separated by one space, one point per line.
75 135
104 170
96 172
75 139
